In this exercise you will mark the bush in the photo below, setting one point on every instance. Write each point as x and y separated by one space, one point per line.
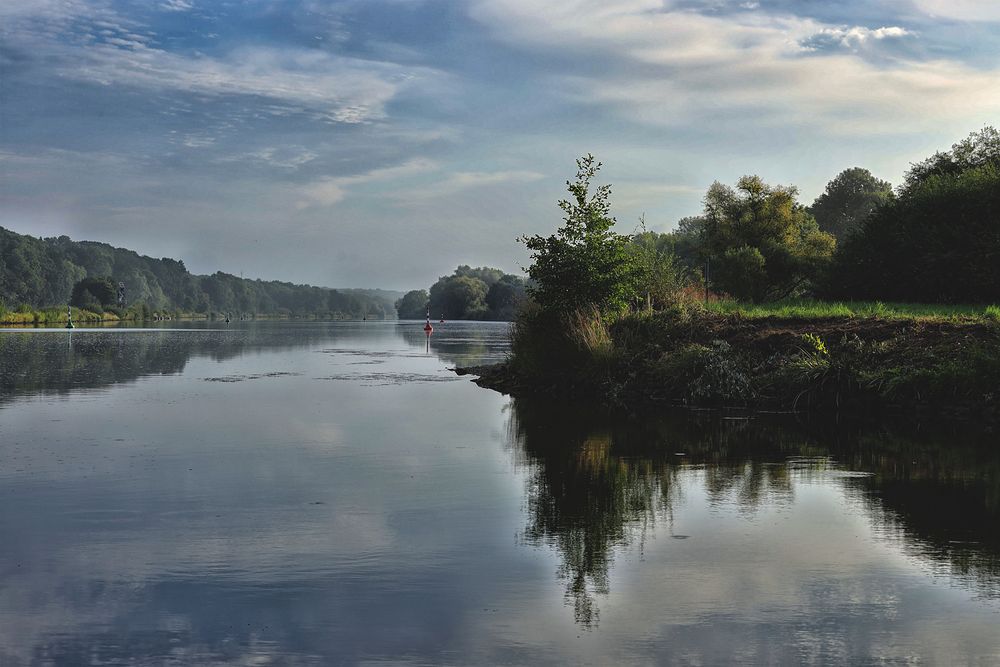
705 374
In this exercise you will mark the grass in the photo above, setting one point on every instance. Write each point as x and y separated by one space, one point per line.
813 309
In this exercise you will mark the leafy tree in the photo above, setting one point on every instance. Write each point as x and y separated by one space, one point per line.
848 200
91 292
689 240
413 305
584 263
939 242
481 293
487 274
504 296
743 273
763 245
458 297
977 150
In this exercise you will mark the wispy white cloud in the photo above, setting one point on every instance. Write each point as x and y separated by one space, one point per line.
282 157
474 179
338 89
461 181
91 42
963 10
177 5
330 190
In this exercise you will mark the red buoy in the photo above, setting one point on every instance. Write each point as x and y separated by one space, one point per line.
427 327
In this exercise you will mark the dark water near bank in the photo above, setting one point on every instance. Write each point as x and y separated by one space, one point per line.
282 493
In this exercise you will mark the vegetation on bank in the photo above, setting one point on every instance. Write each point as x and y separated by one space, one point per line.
44 272
58 315
692 356
25 315
624 319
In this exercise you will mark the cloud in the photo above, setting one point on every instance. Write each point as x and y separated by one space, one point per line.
94 44
331 190
283 157
328 191
962 10
660 66
176 5
336 88
462 181
851 38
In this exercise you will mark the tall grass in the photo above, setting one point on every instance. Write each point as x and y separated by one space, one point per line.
813 309
25 315
588 329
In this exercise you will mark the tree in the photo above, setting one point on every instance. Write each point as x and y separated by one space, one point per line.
848 200
763 244
458 297
43 272
504 296
413 305
690 240
584 263
939 240
91 292
977 150
487 274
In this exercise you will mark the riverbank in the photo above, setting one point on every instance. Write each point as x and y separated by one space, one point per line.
57 317
692 357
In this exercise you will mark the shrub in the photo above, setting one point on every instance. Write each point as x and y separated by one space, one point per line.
711 374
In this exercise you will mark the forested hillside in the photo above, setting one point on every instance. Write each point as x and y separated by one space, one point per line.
41 273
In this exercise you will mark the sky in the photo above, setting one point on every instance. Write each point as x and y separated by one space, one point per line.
380 143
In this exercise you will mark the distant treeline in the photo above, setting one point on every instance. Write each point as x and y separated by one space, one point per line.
42 273
481 293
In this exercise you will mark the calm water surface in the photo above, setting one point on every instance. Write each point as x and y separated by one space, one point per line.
283 493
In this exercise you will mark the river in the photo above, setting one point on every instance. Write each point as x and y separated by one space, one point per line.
331 493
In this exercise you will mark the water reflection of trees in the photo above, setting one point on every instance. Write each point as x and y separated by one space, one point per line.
597 485
57 362
61 362
460 343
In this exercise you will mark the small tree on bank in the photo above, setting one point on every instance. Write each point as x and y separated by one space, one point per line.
585 263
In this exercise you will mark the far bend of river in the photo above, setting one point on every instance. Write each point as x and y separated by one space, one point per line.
330 493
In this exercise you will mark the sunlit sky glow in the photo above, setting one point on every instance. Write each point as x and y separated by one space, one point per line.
382 142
